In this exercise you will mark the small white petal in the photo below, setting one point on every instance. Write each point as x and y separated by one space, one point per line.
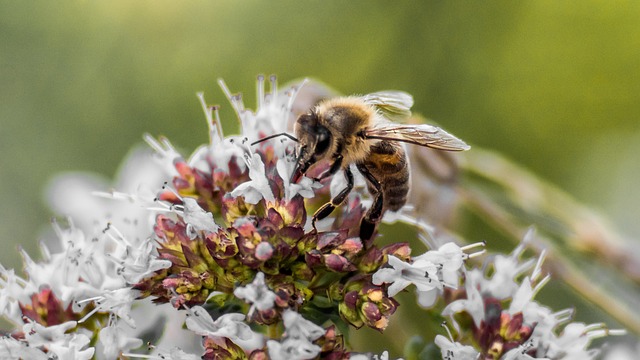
117 302
454 350
298 327
428 298
397 286
258 187
519 354
292 349
195 216
11 348
257 293
114 341
473 304
231 326
421 273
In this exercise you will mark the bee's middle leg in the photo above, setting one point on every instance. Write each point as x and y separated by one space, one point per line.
374 214
327 208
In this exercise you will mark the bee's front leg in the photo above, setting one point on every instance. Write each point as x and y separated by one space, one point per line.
327 208
374 214
335 166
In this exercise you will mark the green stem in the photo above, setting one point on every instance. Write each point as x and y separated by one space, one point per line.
273 331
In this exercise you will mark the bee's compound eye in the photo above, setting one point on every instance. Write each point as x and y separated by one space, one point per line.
324 140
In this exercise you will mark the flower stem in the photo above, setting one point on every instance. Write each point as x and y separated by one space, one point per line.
274 331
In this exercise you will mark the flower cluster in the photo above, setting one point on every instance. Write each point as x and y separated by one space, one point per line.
215 257
233 218
62 292
496 311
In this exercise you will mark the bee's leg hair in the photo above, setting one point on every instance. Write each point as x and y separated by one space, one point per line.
373 215
327 208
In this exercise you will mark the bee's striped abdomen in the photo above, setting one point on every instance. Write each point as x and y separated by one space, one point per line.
387 162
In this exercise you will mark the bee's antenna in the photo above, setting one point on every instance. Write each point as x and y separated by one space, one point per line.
274 136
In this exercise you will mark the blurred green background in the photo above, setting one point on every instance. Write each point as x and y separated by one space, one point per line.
553 85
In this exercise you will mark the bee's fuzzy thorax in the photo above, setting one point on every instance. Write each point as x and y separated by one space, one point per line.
347 117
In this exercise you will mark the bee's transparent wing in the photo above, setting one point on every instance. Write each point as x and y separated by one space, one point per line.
393 105
423 135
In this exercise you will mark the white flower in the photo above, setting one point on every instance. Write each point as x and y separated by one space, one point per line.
449 255
292 349
229 326
196 217
93 268
219 151
297 342
428 298
178 354
383 356
75 195
304 186
39 335
55 339
519 353
115 341
421 273
429 272
272 113
118 302
533 312
173 354
271 117
14 289
473 304
136 263
257 293
298 327
574 340
74 348
11 348
164 150
452 350
506 269
79 270
258 187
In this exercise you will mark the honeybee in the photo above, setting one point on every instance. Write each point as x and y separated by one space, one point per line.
359 130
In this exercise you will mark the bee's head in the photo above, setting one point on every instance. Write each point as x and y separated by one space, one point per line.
314 141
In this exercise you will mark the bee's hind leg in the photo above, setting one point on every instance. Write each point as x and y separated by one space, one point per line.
374 214
371 218
327 208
